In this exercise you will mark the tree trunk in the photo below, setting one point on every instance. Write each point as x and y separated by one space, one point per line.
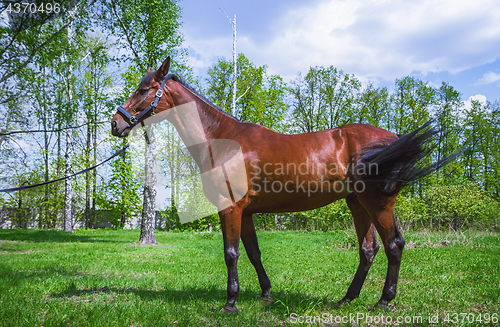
87 174
45 207
68 190
94 171
235 60
123 189
148 206
55 211
68 221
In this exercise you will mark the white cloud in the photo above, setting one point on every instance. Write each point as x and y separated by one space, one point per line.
478 97
389 38
488 78
372 38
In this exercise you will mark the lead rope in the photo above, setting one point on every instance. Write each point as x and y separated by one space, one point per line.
66 177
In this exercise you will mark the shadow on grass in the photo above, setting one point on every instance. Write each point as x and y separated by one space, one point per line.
52 235
40 273
284 304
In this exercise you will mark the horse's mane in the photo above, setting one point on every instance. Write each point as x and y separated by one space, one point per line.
202 97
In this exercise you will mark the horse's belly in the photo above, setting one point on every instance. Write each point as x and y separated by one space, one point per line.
294 196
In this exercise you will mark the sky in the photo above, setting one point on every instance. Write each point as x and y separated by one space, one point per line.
377 40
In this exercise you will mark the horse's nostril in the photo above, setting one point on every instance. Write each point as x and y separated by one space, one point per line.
113 124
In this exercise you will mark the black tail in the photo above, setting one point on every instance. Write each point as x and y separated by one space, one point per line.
396 162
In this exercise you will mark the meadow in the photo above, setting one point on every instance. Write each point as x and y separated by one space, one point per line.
104 278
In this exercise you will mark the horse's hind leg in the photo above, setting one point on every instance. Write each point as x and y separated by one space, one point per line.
368 247
249 238
380 209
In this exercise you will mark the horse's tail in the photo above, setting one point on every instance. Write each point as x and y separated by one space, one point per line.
389 165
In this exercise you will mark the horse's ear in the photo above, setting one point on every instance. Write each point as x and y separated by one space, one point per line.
163 70
150 70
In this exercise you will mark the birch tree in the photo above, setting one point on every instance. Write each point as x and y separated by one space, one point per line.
95 81
68 216
148 29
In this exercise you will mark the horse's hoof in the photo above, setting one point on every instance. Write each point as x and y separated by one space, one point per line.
381 305
341 303
229 310
266 300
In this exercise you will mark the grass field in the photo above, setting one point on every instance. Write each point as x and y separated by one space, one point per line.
103 278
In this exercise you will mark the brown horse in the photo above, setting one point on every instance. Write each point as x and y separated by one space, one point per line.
363 164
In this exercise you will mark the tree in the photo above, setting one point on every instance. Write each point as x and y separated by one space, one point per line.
260 97
309 113
494 142
69 81
412 102
93 85
27 35
218 88
150 30
50 84
23 41
324 98
450 132
235 62
482 150
374 105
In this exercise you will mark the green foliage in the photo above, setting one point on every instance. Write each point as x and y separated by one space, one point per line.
172 221
481 159
219 84
324 98
37 38
149 29
462 206
412 100
333 216
261 97
123 194
374 104
411 211
459 206
132 77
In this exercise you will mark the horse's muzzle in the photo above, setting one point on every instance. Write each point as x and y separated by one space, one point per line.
119 131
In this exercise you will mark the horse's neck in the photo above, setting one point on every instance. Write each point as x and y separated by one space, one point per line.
197 121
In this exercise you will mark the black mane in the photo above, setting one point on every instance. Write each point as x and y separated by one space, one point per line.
186 85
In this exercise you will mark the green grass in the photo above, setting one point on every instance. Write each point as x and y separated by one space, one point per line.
103 278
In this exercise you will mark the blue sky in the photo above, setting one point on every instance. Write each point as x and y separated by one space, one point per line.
377 40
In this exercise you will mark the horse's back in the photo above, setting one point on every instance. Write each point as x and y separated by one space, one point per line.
352 137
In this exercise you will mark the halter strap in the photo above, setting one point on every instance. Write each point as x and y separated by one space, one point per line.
134 120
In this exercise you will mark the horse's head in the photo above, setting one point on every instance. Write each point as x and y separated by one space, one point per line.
142 103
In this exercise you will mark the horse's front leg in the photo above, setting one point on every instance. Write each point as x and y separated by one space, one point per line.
230 220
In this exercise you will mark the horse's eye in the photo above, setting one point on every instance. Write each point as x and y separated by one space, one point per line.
143 91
